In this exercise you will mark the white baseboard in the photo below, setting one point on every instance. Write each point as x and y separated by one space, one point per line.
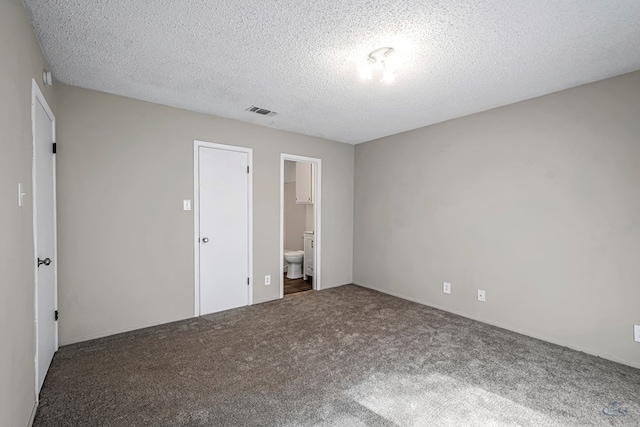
117 331
503 326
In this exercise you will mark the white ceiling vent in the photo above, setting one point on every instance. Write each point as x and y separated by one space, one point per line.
263 111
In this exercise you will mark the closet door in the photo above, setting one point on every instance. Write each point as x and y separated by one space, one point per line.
224 229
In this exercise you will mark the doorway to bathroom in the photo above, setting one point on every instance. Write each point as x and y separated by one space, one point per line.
300 223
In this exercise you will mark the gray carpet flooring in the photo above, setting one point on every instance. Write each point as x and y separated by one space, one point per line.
341 357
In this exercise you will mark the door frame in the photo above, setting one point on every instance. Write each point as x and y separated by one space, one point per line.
317 218
37 96
196 215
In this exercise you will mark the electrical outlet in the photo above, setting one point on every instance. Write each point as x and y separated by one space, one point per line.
481 296
636 333
186 205
267 279
446 287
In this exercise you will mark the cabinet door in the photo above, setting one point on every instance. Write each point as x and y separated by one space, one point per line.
308 255
304 183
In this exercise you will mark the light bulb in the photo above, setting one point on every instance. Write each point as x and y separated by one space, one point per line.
388 76
366 72
391 63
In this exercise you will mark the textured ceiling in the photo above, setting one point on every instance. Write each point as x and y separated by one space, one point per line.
300 57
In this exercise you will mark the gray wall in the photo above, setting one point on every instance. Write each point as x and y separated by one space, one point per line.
294 214
538 203
125 244
20 61
295 217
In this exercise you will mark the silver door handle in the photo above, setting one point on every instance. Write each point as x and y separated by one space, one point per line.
205 240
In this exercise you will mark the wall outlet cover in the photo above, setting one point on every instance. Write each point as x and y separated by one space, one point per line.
186 205
481 295
446 287
267 280
636 333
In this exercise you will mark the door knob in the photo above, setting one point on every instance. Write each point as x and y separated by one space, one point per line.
205 240
45 261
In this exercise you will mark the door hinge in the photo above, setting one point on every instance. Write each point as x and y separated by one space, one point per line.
247 169
247 280
56 315
54 148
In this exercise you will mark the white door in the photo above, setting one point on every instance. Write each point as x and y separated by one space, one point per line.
45 246
224 229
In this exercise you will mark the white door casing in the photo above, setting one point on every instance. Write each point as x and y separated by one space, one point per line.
223 234
317 216
44 232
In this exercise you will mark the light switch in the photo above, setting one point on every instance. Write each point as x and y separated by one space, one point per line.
21 194
186 205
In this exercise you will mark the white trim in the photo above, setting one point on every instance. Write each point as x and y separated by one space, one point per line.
37 95
33 414
128 328
196 230
196 213
317 218
500 325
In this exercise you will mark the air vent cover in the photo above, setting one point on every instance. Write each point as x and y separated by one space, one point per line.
262 111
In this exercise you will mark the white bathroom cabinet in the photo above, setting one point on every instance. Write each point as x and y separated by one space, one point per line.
304 183
307 268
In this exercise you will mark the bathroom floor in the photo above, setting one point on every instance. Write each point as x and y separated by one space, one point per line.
291 286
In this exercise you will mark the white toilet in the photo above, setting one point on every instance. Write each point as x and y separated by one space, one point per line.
294 259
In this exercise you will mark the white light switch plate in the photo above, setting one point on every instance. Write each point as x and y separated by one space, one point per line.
21 194
636 333
481 296
186 205
446 287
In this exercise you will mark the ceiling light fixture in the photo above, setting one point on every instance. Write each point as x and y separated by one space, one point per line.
384 58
